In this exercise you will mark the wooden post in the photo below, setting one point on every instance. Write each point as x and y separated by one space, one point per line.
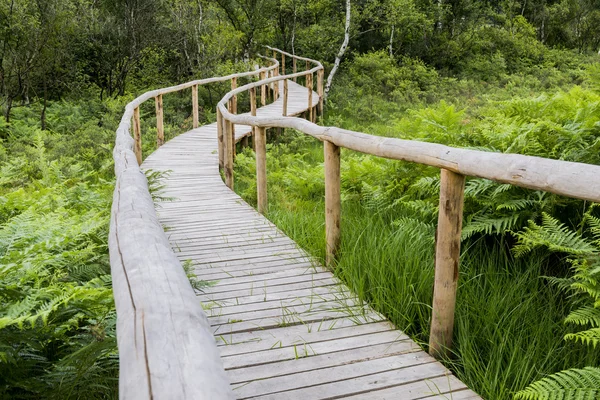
333 202
160 129
270 85
263 90
275 86
285 97
234 97
282 64
261 169
220 139
294 67
195 106
320 90
229 145
137 135
309 85
253 113
232 129
447 254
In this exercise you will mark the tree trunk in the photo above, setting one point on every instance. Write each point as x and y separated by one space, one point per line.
338 59
392 41
43 116
9 101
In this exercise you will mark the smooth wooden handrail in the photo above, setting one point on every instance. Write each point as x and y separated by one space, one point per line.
166 346
571 179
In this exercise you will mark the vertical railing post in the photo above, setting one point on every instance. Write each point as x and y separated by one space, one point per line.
160 129
285 98
253 113
233 110
263 90
320 74
333 202
234 97
276 85
231 106
137 135
309 85
294 67
220 139
228 148
195 106
447 255
282 64
261 169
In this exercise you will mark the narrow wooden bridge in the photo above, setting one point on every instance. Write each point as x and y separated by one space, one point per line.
275 323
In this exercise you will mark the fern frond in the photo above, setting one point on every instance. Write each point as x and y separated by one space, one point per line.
571 384
489 225
587 337
553 235
585 316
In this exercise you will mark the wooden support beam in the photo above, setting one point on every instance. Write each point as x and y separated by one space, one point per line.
447 254
263 90
220 139
285 97
261 169
234 98
333 202
306 76
309 85
160 128
195 106
320 74
229 149
282 64
232 127
253 113
275 85
294 67
137 135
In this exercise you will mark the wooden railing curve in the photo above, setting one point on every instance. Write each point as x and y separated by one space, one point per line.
576 180
166 347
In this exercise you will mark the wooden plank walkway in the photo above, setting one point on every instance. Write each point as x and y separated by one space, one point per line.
285 326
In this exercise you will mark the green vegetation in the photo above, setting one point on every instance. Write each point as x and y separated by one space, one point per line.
507 76
510 319
57 319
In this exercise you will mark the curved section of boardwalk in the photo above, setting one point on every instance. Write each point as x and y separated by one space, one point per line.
286 327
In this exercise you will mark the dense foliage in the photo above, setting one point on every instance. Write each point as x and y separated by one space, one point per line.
57 314
509 76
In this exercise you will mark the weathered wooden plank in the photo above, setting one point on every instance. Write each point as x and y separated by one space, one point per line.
334 375
365 384
325 347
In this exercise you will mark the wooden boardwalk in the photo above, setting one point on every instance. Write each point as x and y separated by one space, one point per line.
285 326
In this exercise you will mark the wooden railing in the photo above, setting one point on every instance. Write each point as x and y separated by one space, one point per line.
226 133
166 347
581 181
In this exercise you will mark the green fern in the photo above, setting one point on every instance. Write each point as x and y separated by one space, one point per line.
571 384
555 236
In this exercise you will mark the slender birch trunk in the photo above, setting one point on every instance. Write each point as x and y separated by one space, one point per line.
338 59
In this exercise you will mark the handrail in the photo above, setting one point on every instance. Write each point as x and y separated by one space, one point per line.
576 180
166 346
